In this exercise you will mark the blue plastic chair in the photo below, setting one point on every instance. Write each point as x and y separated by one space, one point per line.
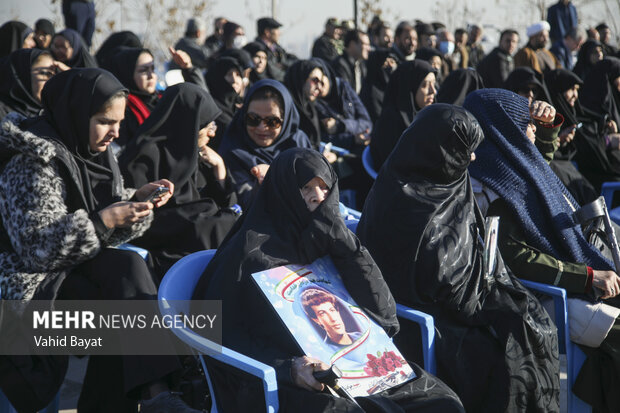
179 284
574 356
426 322
349 213
368 163
607 192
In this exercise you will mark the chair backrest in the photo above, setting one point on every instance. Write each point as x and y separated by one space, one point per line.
368 163
174 295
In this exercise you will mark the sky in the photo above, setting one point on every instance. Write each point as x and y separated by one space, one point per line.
303 20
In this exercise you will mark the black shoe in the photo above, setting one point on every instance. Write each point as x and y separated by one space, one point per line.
166 402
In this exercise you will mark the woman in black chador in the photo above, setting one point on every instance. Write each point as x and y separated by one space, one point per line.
601 90
172 144
224 83
411 88
496 347
584 144
63 208
381 63
295 219
23 73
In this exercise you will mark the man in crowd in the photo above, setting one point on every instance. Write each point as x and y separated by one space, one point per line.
80 16
426 35
382 36
605 38
535 53
268 33
497 65
562 17
405 41
564 49
214 42
193 44
474 46
351 65
329 46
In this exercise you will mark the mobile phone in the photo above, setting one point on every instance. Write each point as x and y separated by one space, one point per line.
578 126
328 147
160 191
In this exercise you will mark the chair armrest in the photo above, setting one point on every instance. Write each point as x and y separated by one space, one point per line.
427 327
368 163
335 149
225 355
560 306
140 251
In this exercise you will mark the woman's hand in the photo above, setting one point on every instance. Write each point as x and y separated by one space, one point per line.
606 281
60 66
612 127
181 58
542 111
145 191
214 159
259 171
329 124
125 214
302 369
567 135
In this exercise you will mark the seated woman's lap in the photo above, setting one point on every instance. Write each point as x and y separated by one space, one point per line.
112 274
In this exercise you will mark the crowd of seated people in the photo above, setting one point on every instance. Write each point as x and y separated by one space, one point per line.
255 148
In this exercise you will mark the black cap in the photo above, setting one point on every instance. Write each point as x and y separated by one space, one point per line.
266 23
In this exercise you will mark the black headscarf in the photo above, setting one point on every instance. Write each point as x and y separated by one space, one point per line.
422 225
522 77
375 82
279 230
115 40
295 78
122 64
584 65
243 58
167 142
241 153
598 93
81 57
16 88
45 26
458 84
69 100
223 93
253 48
12 36
559 81
399 108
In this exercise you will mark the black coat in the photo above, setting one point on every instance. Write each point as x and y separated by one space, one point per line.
497 347
166 147
345 69
495 67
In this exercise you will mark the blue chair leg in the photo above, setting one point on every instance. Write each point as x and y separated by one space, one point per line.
577 357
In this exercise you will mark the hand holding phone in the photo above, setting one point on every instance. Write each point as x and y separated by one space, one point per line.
158 193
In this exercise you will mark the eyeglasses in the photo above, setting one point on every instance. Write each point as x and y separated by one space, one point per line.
271 122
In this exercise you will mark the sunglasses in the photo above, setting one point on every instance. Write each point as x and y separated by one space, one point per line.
272 122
